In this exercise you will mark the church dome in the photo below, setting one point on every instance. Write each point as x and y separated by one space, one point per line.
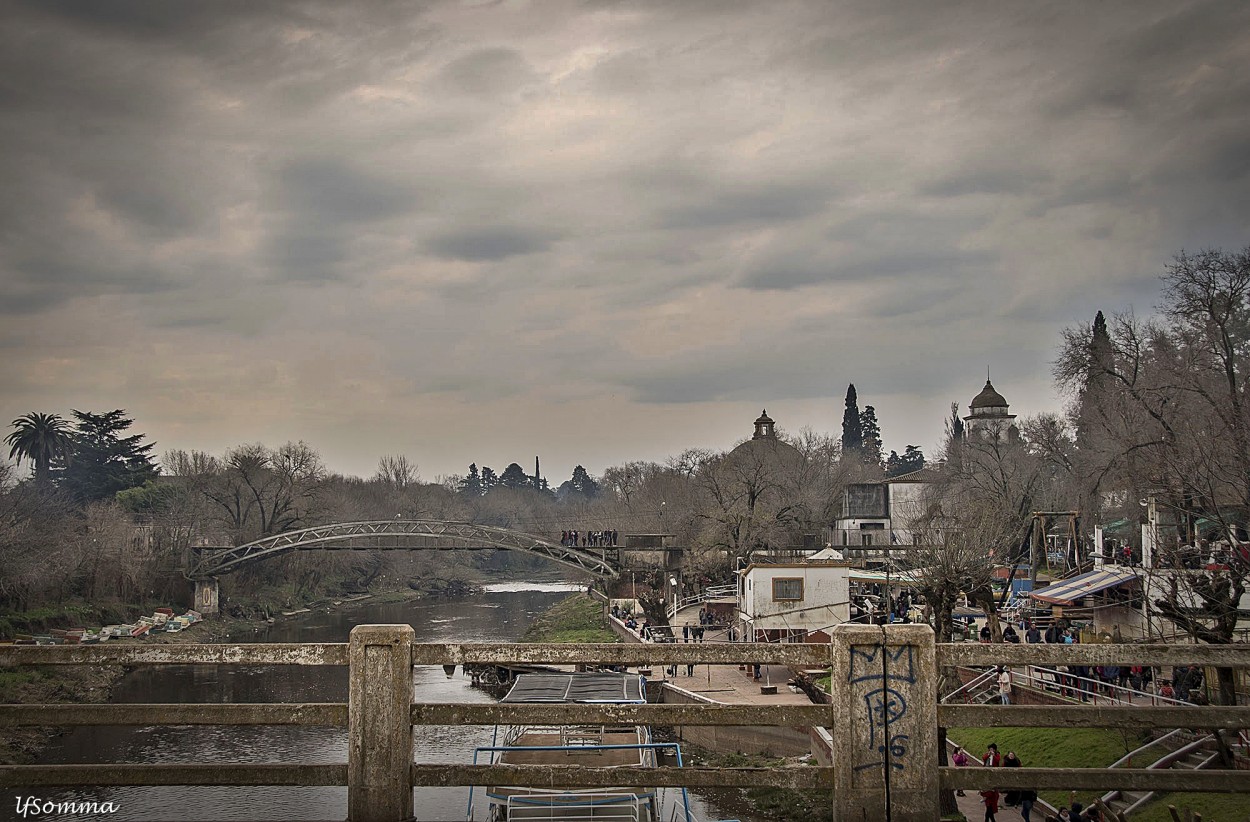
765 445
988 398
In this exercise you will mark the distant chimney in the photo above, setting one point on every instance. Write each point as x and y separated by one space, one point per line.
538 485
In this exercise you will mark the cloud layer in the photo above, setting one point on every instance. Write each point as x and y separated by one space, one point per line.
595 231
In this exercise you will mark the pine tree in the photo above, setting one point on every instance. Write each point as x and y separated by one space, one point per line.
514 476
892 463
489 479
471 486
852 433
103 462
870 436
583 484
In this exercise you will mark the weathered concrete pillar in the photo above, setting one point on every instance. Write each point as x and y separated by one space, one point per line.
207 595
379 725
884 688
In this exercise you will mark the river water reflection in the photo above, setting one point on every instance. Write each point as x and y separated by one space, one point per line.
501 613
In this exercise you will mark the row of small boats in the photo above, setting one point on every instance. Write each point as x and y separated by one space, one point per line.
163 620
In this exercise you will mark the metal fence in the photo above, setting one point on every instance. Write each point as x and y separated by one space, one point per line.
383 708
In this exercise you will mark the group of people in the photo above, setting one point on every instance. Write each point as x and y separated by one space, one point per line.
1187 685
588 539
1022 799
627 617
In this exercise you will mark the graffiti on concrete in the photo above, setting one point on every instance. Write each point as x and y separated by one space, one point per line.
884 707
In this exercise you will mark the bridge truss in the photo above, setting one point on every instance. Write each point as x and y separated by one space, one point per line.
403 535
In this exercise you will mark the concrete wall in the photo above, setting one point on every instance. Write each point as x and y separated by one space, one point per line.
744 739
908 502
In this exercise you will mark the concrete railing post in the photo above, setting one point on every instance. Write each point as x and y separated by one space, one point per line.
379 725
207 594
884 688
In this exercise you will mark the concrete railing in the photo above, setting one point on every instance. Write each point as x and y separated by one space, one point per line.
884 715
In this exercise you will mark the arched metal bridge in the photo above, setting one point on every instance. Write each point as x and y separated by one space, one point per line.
391 535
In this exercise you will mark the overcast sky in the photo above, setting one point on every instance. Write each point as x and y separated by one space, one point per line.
596 231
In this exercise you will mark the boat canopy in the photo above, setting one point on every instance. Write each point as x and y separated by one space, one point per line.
1067 591
580 687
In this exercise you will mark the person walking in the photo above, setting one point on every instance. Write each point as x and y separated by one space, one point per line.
1004 685
990 798
1027 798
1012 798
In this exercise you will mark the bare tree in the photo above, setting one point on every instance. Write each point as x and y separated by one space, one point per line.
397 471
1171 419
264 491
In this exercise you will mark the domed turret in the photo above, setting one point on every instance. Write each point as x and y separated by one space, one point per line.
764 427
988 399
990 418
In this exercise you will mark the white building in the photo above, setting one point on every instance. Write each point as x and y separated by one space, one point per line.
793 602
876 514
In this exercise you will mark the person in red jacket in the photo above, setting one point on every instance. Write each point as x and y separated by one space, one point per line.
990 798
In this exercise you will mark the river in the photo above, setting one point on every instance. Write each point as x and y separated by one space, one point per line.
503 612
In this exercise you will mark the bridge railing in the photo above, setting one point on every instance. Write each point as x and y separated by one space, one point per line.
884 717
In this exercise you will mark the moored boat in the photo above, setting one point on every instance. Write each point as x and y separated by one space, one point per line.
607 745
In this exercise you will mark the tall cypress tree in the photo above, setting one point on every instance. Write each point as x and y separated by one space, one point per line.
870 436
852 433
1094 395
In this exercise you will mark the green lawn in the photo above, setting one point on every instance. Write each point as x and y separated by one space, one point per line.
574 619
1214 807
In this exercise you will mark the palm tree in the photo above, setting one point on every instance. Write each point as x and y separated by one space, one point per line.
40 438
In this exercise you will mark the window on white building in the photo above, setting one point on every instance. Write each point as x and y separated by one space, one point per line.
787 588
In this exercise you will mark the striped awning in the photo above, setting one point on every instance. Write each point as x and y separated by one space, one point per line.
1067 591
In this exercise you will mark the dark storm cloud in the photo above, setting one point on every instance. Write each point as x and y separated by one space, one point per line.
329 191
487 243
886 247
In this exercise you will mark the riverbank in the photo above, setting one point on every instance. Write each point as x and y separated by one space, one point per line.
578 618
93 684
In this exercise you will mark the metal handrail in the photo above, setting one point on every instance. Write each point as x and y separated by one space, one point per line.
981 679
1096 691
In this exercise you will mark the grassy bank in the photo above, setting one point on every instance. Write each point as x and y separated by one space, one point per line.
577 618
1051 748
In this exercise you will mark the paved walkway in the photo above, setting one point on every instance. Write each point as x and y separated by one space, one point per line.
728 683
